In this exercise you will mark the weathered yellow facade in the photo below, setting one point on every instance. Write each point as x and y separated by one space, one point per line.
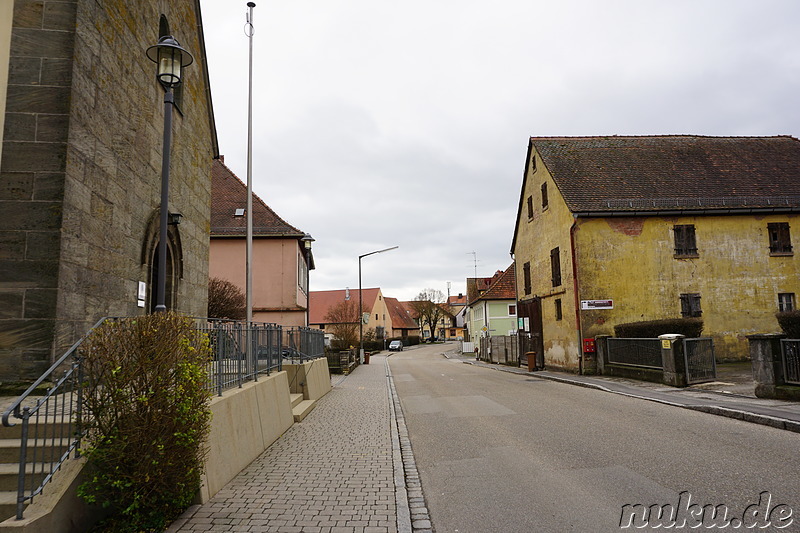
631 260
537 236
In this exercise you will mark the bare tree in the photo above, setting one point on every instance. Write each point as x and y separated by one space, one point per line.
225 300
429 307
342 321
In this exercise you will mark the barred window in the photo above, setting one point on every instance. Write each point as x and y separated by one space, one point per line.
685 241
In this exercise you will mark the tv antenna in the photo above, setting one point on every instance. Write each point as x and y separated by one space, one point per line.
474 261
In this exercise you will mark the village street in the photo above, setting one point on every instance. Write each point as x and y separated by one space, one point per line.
498 451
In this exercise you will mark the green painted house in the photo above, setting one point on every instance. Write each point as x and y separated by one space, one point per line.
491 306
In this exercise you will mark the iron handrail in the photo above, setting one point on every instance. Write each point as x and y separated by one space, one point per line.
15 407
62 423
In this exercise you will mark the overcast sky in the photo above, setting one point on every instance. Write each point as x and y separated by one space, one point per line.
381 124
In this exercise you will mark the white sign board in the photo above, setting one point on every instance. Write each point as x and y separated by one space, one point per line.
590 305
141 294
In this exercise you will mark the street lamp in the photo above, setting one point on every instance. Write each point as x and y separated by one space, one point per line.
361 302
170 58
307 240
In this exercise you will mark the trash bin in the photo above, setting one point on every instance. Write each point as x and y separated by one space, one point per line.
366 358
531 357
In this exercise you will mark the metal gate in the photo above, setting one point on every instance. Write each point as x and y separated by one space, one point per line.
790 357
700 363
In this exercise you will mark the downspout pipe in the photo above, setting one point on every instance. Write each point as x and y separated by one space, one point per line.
579 330
516 310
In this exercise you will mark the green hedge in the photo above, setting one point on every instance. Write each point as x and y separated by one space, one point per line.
790 323
689 327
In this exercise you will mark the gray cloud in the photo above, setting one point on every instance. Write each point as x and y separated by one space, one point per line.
380 124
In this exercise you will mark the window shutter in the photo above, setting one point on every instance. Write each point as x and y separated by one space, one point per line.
555 266
685 309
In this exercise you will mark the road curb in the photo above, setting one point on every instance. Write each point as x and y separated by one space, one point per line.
412 511
745 416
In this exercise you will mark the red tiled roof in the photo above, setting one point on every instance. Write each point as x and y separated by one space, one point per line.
477 286
672 172
322 301
503 286
401 318
457 300
229 193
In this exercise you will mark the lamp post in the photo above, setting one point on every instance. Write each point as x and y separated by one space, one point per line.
361 301
307 240
170 58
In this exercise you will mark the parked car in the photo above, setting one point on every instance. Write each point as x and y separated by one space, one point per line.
396 346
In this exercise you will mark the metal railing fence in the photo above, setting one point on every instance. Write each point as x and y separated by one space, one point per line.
790 358
230 366
51 422
302 344
635 352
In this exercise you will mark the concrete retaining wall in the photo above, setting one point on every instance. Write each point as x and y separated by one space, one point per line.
312 379
245 422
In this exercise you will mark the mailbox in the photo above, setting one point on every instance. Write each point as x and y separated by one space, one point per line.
588 346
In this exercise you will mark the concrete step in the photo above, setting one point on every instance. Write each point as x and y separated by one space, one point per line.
9 474
302 409
296 399
41 429
42 449
8 504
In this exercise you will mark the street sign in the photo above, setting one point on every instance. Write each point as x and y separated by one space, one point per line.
587 305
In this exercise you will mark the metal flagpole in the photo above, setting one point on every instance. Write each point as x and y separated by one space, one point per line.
249 30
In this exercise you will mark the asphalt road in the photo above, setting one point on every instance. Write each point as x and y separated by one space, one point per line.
502 452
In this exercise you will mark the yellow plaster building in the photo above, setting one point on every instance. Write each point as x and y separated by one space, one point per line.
613 230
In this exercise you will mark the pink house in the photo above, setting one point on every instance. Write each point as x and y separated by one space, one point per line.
280 263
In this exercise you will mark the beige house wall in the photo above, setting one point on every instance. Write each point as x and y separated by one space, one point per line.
277 295
379 316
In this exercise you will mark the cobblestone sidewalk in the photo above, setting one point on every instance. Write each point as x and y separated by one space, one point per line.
334 472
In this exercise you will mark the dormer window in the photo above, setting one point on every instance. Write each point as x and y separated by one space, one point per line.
239 212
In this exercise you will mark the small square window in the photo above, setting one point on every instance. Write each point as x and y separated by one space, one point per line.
786 302
239 212
512 310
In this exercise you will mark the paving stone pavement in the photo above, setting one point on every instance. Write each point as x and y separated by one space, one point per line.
342 469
